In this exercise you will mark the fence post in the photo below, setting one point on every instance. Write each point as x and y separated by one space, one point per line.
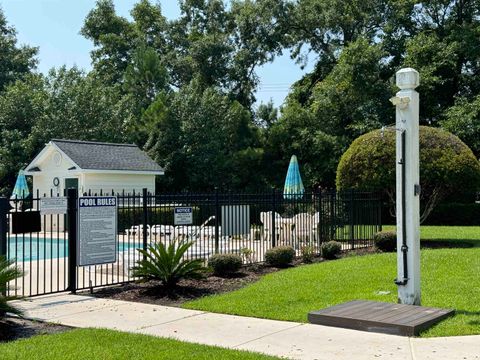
352 225
4 209
145 220
333 222
379 215
217 215
274 211
72 208
318 235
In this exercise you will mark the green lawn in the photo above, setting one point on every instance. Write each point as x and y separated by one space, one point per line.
96 344
451 279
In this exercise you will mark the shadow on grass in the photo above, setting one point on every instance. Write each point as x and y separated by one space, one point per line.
448 244
469 313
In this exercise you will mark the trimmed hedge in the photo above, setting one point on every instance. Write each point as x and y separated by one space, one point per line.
447 165
225 264
385 241
280 256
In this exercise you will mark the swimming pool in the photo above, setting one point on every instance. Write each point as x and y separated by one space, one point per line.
28 249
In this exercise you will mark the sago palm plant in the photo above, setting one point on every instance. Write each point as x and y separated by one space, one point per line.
8 272
167 264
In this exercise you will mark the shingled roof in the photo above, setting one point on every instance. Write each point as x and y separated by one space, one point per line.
89 155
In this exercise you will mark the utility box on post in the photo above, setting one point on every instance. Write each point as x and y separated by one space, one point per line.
406 102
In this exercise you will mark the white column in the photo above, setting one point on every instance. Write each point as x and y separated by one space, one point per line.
407 120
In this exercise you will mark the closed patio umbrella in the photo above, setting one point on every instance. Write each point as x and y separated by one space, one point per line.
20 191
293 188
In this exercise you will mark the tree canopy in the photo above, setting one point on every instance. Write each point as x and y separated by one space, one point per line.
184 89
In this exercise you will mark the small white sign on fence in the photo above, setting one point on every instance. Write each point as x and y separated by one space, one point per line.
53 205
183 216
97 230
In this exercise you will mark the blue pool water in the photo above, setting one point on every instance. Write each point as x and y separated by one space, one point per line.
26 249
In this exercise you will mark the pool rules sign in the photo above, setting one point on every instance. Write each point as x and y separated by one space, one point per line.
97 230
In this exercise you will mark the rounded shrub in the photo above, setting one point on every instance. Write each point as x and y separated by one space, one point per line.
331 250
225 264
280 256
446 165
385 241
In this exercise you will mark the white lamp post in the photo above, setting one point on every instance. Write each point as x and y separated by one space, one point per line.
408 188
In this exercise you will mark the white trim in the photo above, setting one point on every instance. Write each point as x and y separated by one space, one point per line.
49 147
37 158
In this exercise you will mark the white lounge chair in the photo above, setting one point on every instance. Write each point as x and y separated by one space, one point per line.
281 225
137 229
302 228
162 231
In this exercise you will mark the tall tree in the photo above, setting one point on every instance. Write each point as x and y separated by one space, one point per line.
114 39
144 79
446 53
463 119
81 107
21 105
203 139
15 61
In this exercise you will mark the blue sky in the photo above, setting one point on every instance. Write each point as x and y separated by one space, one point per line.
54 25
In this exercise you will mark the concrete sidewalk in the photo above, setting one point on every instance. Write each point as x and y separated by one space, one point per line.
280 338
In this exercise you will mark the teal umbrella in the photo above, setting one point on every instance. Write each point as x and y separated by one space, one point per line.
20 191
293 188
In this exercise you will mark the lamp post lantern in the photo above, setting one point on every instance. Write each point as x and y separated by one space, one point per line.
406 102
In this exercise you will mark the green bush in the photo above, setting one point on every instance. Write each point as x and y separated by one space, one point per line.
308 254
331 250
280 256
225 264
446 165
247 255
8 272
167 264
385 241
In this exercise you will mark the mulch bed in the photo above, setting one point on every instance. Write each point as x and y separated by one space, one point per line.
13 328
151 292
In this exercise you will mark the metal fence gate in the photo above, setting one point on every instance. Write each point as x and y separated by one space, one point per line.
221 222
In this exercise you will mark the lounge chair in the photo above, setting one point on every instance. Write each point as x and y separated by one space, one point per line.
281 226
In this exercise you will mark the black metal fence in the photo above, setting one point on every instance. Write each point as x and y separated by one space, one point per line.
244 223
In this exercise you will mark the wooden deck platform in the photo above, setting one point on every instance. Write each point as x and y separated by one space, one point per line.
387 318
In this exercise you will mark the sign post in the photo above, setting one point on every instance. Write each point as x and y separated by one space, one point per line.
72 198
408 187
